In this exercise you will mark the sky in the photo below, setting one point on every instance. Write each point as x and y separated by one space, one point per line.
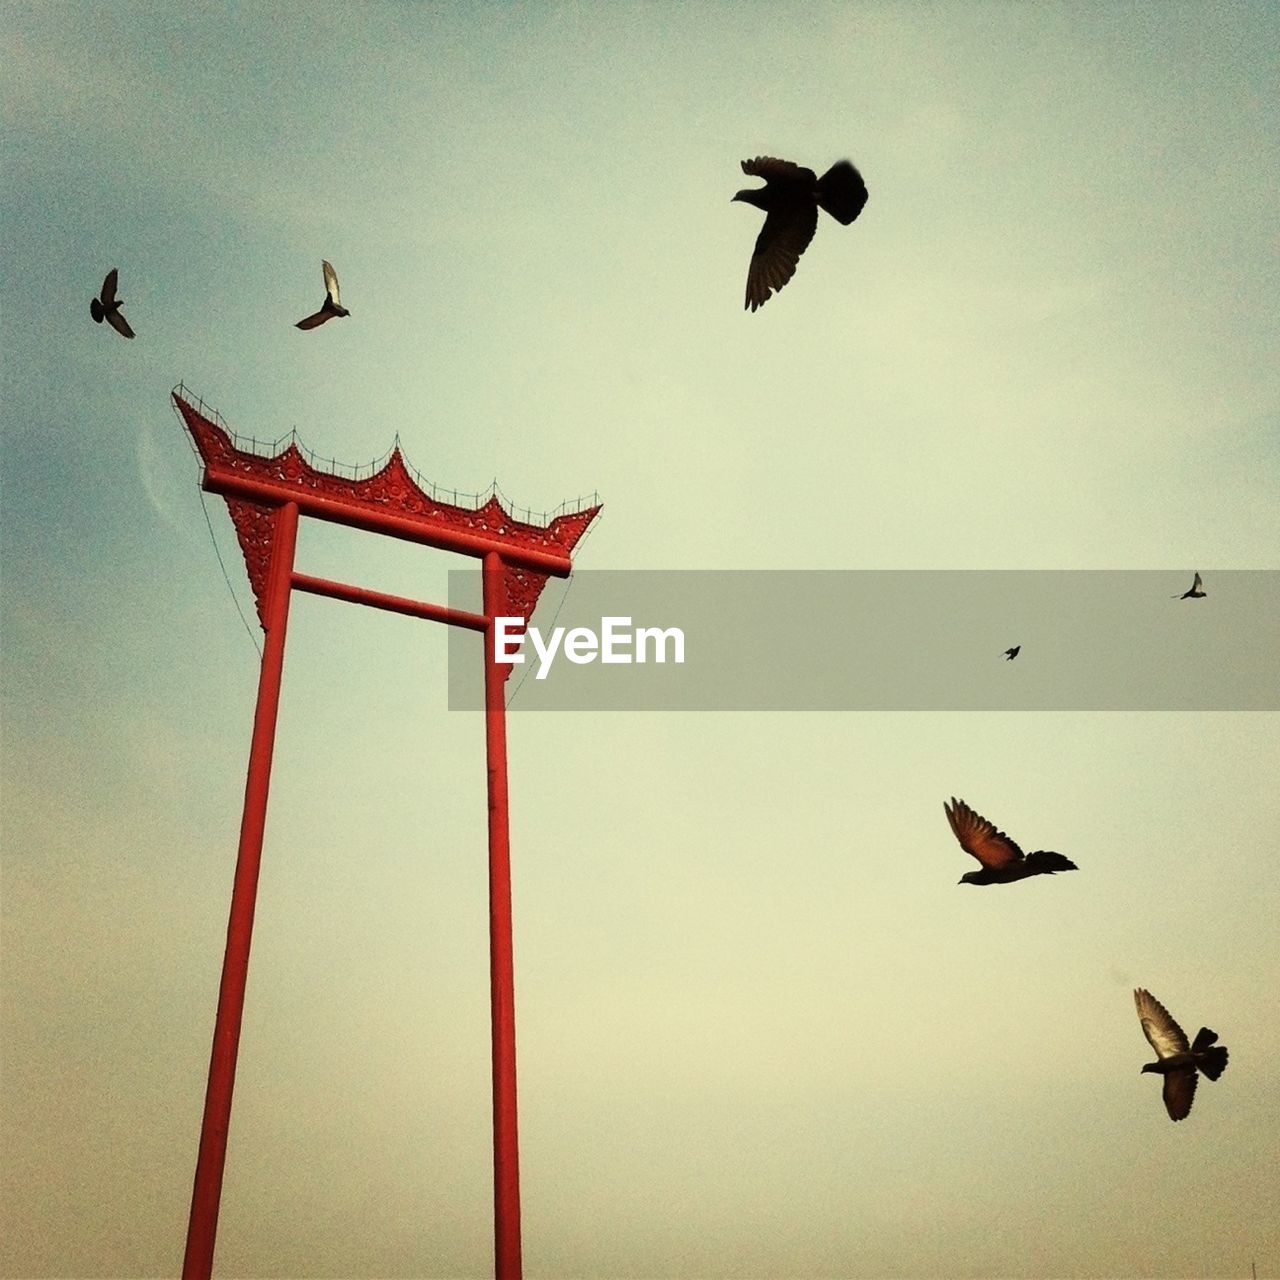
761 1030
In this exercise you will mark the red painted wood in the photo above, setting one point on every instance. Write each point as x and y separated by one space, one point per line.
388 501
203 1223
265 496
395 604
324 507
506 1153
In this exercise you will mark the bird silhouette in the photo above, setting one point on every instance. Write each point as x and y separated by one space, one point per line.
1196 593
1010 654
107 307
791 198
1177 1061
331 305
1002 860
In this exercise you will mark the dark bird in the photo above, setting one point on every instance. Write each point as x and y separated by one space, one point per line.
1010 654
107 307
1196 593
1177 1061
1002 860
331 305
791 198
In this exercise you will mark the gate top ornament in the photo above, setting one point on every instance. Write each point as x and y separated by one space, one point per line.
388 501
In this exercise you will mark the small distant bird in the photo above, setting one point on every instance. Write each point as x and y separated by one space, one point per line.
331 305
107 307
791 198
1196 592
1177 1061
1010 654
1002 860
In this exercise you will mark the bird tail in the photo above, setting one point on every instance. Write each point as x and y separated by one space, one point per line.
841 192
1212 1061
1046 862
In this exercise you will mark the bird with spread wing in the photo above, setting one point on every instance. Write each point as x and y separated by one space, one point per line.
1002 860
1176 1060
791 197
1195 592
107 307
331 307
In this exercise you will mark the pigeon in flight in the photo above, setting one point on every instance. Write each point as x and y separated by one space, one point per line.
1010 654
1197 592
790 198
1002 860
331 305
1178 1061
107 307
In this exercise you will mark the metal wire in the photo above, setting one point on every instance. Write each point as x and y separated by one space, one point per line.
226 576
528 666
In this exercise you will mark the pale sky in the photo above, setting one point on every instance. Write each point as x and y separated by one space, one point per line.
761 1030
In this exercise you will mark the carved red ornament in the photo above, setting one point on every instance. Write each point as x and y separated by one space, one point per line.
529 551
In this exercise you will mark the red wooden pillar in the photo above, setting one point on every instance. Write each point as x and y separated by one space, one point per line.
506 1158
203 1224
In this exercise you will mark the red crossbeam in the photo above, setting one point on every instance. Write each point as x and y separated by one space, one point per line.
269 493
395 604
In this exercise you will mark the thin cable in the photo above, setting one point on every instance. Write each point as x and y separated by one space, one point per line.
567 587
225 576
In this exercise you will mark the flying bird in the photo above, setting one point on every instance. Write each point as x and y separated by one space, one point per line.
1176 1060
1002 860
331 306
791 198
1197 592
1010 654
107 307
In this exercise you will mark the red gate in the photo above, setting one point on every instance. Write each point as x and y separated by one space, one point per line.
266 496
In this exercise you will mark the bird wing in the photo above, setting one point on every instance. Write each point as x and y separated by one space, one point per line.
979 837
109 288
331 282
317 318
1166 1037
773 170
1195 586
118 322
1179 1092
783 238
